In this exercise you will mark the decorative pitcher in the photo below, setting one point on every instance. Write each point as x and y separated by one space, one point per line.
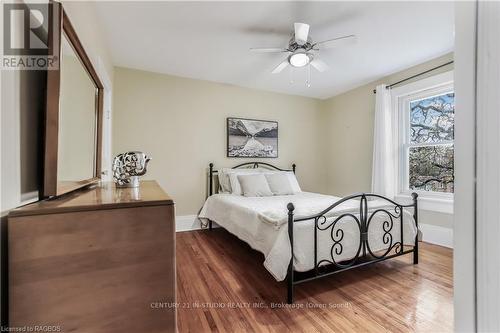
127 167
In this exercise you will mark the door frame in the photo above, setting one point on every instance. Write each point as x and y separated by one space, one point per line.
464 225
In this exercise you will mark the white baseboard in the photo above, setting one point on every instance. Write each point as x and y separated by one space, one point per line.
436 235
189 223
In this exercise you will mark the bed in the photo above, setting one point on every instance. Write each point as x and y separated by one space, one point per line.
305 236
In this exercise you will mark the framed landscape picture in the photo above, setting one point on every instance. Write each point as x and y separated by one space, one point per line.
252 138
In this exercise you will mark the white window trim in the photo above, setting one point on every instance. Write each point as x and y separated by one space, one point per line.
437 84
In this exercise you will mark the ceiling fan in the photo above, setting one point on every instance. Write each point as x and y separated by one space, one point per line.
302 50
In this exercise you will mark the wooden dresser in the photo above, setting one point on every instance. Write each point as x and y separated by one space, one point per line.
96 260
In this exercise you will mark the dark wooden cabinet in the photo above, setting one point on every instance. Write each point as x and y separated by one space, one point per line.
97 260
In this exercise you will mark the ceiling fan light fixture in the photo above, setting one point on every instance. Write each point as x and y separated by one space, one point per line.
301 50
299 59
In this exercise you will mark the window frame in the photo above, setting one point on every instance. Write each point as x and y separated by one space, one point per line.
401 97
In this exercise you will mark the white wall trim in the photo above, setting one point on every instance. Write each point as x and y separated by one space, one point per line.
401 98
106 155
429 203
436 205
436 235
487 166
189 223
464 250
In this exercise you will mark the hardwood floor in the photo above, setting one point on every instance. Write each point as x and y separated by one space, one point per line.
222 286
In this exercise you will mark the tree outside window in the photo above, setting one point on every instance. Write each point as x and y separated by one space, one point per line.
430 143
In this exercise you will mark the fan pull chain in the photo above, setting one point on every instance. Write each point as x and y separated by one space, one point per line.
290 74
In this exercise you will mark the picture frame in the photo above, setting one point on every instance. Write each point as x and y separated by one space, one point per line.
251 138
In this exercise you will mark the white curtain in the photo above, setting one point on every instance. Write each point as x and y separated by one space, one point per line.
384 154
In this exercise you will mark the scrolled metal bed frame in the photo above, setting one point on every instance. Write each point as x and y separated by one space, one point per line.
364 255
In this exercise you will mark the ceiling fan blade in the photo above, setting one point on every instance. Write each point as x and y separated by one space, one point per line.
301 33
334 42
280 67
268 50
319 65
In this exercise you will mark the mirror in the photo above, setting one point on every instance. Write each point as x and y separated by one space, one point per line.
77 118
74 110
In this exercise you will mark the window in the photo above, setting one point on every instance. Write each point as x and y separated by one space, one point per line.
430 143
425 117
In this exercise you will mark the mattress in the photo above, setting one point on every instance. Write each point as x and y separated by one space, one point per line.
262 223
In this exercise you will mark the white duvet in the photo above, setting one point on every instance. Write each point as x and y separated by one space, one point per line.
262 223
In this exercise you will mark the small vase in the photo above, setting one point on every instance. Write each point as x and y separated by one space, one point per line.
134 182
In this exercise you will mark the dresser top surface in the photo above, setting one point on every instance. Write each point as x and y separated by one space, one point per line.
104 196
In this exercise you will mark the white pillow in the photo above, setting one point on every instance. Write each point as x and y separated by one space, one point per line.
225 179
279 183
291 178
254 185
233 178
293 182
224 183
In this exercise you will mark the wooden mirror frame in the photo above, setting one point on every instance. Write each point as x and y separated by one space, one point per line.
60 24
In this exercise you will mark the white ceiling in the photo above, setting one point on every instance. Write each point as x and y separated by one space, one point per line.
211 40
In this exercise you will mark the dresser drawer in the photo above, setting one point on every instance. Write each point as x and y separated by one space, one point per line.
102 270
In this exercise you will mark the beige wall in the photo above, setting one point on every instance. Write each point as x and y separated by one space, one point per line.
348 125
181 123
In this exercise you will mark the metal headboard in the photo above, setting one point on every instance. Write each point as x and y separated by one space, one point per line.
247 165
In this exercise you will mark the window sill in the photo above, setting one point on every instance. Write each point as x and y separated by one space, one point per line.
442 205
